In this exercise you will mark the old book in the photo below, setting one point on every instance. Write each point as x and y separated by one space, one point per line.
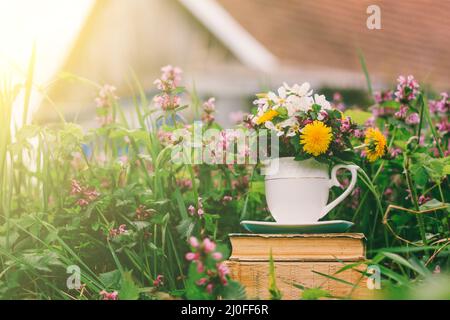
306 260
254 276
298 247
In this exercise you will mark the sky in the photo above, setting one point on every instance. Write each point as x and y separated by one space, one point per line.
50 25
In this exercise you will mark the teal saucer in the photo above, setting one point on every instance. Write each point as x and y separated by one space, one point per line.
334 226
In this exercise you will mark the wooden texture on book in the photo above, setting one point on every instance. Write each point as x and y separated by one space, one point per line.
255 277
296 247
302 259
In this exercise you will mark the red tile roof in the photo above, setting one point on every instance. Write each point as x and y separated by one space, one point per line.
414 39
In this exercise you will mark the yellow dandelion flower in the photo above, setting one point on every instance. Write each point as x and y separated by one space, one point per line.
316 138
376 144
267 116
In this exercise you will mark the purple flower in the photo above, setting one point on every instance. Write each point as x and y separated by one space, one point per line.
401 113
227 198
440 106
370 122
109 295
191 210
443 126
170 78
237 116
359 133
381 97
193 241
413 119
191 256
346 125
159 281
337 97
423 199
407 89
208 245
395 152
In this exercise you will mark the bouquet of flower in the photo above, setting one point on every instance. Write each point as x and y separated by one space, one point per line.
309 127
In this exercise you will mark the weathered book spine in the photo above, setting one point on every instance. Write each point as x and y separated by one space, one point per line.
298 248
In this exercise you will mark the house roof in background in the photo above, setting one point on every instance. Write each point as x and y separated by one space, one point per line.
415 35
219 22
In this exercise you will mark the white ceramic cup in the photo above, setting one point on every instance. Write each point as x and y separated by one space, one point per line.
297 191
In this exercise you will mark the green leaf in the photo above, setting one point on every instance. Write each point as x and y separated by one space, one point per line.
234 291
275 293
358 116
257 187
315 294
402 261
111 279
128 289
433 204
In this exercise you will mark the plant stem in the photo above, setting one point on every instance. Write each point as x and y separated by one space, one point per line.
414 198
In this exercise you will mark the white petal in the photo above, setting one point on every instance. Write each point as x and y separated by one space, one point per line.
272 96
303 90
282 92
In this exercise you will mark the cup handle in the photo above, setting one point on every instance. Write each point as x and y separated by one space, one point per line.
335 183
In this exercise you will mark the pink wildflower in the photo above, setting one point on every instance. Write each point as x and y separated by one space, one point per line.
165 137
223 271
337 96
159 281
191 210
82 202
370 122
117 232
443 126
395 152
217 256
401 113
227 198
208 245
76 188
184 184
199 212
210 288
202 281
142 212
167 102
381 97
359 133
237 116
191 256
388 192
170 78
109 295
346 125
105 96
200 266
423 199
413 119
85 195
407 89
209 106
193 241
440 106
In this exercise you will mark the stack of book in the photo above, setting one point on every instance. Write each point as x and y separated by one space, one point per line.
301 261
